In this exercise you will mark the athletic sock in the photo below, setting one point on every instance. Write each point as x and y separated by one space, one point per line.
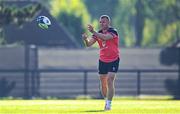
108 105
108 102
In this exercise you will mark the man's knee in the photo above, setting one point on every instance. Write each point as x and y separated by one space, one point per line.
111 76
110 81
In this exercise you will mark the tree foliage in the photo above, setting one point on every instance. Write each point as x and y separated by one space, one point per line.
124 21
100 7
165 12
148 22
144 23
16 16
73 15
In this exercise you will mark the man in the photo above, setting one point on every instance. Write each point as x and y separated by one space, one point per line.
108 41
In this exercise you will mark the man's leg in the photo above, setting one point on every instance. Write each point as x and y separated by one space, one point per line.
110 83
111 89
103 80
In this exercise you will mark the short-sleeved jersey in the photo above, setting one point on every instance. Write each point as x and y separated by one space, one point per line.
109 49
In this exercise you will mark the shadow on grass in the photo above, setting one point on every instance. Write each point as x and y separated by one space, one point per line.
94 111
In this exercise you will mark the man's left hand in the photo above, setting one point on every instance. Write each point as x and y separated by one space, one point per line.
90 28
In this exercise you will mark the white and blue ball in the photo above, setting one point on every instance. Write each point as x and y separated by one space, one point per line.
43 22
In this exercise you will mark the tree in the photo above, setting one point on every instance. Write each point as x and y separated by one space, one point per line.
73 15
139 22
123 20
148 22
100 7
73 24
16 16
167 20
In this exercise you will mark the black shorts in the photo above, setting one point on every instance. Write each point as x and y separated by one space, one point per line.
104 68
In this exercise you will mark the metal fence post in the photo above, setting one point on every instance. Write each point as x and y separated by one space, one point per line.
85 82
37 72
138 82
178 72
26 72
34 72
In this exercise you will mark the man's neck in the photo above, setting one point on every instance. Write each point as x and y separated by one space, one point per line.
105 29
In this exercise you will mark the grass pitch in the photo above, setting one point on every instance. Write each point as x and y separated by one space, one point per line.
89 107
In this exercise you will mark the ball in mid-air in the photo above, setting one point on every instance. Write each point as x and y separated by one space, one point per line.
43 22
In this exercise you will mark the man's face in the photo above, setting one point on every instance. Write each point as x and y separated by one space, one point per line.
104 23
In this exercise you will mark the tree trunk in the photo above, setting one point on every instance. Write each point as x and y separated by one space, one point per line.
139 23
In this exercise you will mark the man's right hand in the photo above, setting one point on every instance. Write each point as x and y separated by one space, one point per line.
84 36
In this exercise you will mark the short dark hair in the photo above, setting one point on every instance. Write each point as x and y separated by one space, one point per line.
105 16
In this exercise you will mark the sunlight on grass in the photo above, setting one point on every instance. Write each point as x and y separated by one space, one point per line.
89 106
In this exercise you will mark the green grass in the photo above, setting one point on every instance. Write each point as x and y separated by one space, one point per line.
89 107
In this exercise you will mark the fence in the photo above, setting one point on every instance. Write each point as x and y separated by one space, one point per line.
88 85
28 80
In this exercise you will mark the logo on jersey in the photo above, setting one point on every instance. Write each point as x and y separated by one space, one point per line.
103 43
113 68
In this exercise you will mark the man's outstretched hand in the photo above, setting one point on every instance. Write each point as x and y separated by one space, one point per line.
84 36
90 28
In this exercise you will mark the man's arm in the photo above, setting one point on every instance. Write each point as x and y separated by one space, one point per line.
99 35
102 36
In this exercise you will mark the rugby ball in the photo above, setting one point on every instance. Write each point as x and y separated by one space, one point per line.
43 22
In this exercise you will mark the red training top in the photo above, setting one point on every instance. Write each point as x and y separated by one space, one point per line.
109 49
